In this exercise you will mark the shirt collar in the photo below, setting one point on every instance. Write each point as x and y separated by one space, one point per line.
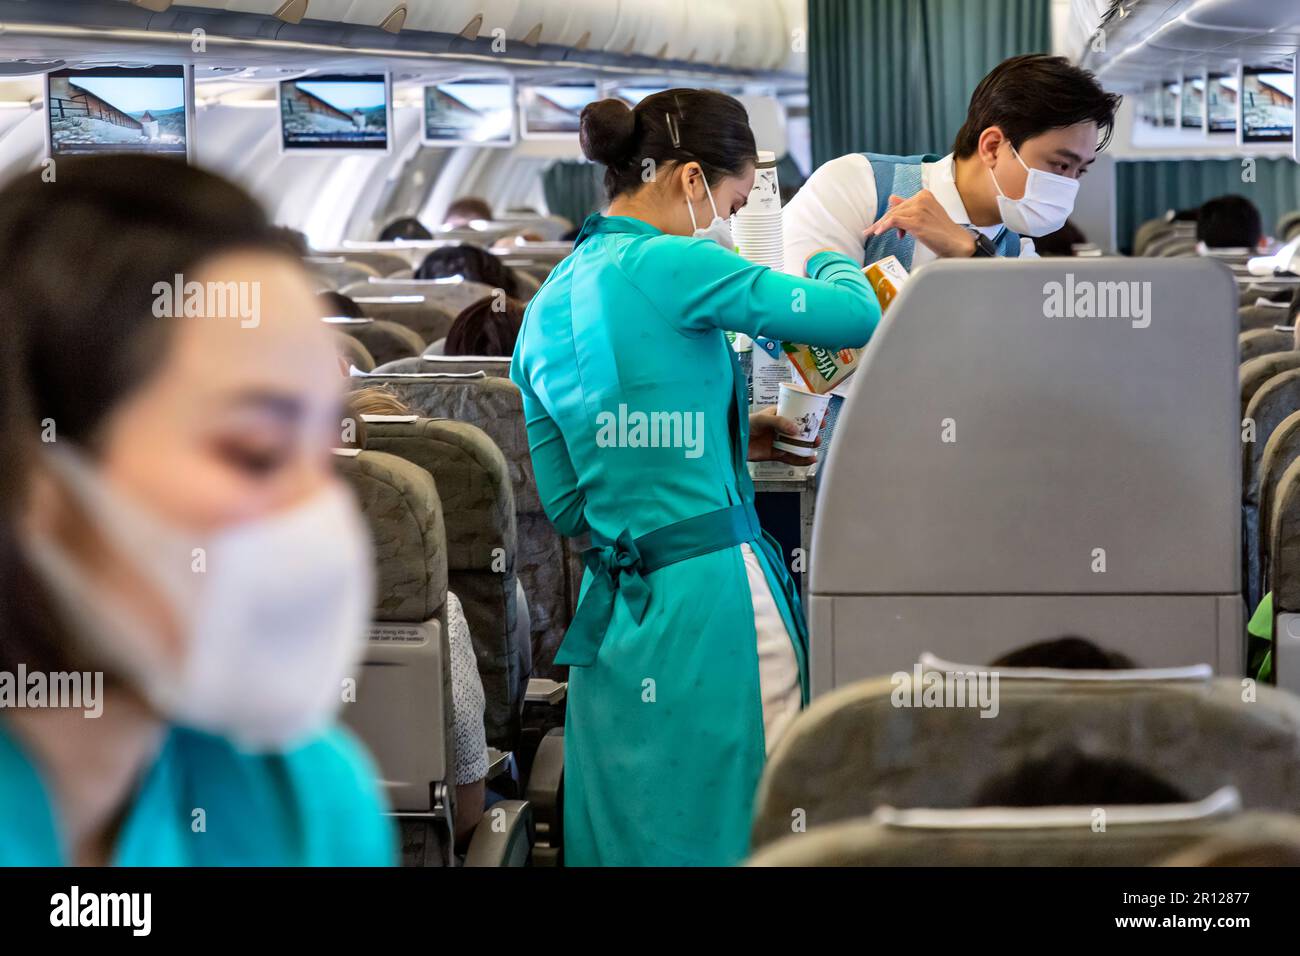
939 178
598 224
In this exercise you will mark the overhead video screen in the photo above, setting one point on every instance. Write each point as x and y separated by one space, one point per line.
336 112
1267 113
1170 95
1221 102
470 112
118 110
1193 107
552 110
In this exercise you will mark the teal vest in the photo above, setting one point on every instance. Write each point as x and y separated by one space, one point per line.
901 176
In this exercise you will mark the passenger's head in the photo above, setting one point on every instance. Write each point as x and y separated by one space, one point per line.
1061 242
465 210
671 151
139 416
376 400
488 327
338 305
1229 222
1052 115
1069 778
408 227
1065 653
294 241
471 263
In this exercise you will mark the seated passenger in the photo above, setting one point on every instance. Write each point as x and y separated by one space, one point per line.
408 227
472 264
1069 778
338 305
466 210
1065 653
1229 223
467 700
173 527
488 327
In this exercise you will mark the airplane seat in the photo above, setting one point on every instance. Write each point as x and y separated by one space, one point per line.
425 318
1253 373
478 506
1281 448
527 283
1288 227
352 351
1134 836
339 272
388 341
1272 292
1158 228
436 348
993 480
384 264
1261 316
1284 577
874 743
454 297
403 706
1175 246
497 366
545 561
1272 402
1262 341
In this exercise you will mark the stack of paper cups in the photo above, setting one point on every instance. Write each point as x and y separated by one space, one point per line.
757 226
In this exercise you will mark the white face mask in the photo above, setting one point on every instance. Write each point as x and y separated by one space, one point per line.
719 230
272 613
1046 204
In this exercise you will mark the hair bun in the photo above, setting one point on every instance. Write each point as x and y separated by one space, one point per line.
607 132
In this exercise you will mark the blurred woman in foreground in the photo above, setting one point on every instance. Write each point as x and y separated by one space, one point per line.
170 520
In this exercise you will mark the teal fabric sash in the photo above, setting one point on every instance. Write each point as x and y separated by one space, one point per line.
618 568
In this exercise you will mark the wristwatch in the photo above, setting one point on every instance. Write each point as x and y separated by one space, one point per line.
984 246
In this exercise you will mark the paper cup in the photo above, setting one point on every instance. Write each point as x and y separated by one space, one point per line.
807 411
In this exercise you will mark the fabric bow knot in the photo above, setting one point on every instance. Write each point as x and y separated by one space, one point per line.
615 569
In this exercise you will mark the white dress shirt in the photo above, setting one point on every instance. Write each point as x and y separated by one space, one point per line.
838 202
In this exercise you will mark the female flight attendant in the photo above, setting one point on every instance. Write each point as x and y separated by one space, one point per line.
175 551
688 650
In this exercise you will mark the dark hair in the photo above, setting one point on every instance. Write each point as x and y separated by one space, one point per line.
1028 95
408 227
1067 777
1065 653
1227 222
485 329
338 304
468 208
471 263
294 241
674 126
74 350
1061 242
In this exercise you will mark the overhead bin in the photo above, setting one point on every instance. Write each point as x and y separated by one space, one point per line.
470 18
560 22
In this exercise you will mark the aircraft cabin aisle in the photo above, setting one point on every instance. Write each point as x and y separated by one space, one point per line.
524 434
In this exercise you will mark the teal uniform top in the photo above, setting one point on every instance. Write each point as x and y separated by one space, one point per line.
635 424
202 802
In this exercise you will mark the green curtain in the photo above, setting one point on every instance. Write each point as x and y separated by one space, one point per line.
1145 189
895 76
574 189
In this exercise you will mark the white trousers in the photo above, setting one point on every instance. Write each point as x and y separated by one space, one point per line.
778 668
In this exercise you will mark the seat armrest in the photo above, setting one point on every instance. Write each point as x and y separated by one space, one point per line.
545 792
503 836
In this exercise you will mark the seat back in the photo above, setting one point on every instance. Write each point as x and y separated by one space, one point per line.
353 352
403 709
1281 448
337 272
547 563
1254 316
1255 372
451 295
1271 403
421 315
1017 429
388 341
1284 576
478 506
877 742
493 365
985 839
1263 341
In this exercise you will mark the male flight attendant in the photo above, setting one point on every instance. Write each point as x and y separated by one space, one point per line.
1034 126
